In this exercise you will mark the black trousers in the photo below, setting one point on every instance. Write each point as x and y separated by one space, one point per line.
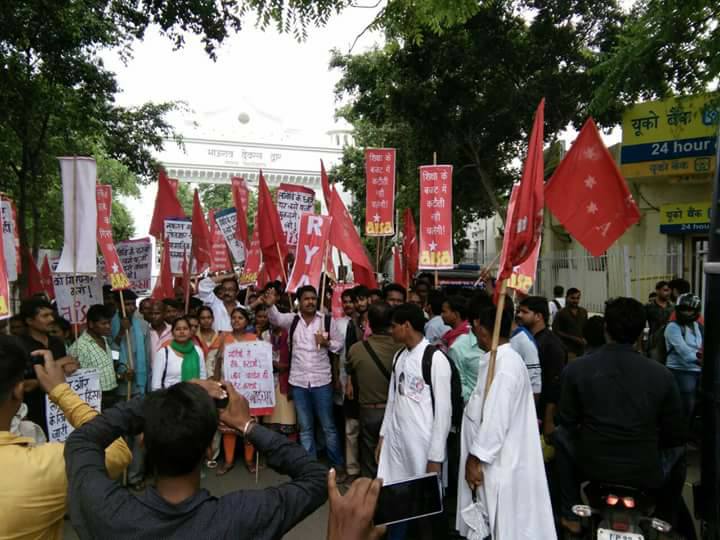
370 423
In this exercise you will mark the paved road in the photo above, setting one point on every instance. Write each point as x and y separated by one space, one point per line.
314 526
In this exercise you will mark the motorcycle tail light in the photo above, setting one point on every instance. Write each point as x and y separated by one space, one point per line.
628 502
621 526
612 500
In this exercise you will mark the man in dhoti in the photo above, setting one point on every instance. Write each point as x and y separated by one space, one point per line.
501 463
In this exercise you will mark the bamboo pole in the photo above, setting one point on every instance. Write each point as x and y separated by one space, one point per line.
75 249
495 341
485 270
131 365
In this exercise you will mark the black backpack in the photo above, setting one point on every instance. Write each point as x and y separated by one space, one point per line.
456 399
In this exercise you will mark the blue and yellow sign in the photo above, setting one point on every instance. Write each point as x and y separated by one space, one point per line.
685 218
673 137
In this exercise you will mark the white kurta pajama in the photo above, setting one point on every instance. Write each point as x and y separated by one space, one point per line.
507 443
412 435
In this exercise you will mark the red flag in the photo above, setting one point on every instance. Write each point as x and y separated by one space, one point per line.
337 308
379 191
270 232
253 258
113 266
200 235
219 249
312 249
34 282
164 284
46 277
327 190
167 205
241 196
410 250
523 223
588 194
186 278
399 274
436 246
345 237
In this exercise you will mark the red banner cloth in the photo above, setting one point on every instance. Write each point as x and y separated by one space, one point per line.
337 307
4 281
399 273
253 260
270 232
167 205
164 284
47 278
220 257
379 191
327 190
345 237
588 194
523 223
241 196
34 281
312 250
113 267
200 236
292 202
410 251
436 246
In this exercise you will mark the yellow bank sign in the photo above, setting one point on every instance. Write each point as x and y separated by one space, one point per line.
685 218
673 137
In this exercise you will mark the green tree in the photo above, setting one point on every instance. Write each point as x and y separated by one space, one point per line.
468 94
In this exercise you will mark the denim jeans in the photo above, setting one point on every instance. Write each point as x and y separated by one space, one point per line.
312 403
687 382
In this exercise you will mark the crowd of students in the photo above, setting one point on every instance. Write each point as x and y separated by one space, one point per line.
394 388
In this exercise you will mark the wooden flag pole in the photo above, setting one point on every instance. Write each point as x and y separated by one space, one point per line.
284 273
131 365
495 340
377 254
75 248
485 270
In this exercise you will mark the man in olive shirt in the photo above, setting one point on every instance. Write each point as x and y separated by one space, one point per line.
371 363
570 324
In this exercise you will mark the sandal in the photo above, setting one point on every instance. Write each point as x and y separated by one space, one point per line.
224 469
251 467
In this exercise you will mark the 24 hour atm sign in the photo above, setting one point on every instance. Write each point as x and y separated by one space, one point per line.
672 129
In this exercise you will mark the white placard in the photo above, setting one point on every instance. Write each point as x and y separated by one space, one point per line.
178 233
293 202
136 259
86 384
75 294
9 245
227 222
248 366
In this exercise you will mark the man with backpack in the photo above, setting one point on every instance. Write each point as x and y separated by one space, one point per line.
422 400
311 338
370 363
684 345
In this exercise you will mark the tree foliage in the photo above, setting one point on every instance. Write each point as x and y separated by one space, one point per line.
469 94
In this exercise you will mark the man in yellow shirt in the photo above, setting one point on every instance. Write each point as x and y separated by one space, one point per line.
33 485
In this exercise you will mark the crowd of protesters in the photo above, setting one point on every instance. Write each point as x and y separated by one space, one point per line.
393 388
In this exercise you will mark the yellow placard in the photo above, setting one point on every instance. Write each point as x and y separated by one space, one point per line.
671 119
693 166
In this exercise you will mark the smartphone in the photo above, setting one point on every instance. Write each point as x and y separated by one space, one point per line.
409 499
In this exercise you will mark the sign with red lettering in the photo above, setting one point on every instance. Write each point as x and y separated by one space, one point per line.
311 251
380 191
11 238
248 366
436 246
337 307
4 282
292 202
220 258
113 268
523 275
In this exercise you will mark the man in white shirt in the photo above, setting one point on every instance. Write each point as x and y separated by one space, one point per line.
501 460
223 304
557 303
414 433
160 331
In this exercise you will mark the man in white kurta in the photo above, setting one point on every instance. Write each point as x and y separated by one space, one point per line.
413 438
506 441
221 305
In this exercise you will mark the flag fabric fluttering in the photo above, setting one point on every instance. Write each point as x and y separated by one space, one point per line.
113 266
167 205
588 194
523 223
164 284
399 273
79 253
326 188
47 278
241 196
410 249
345 237
200 236
270 233
34 278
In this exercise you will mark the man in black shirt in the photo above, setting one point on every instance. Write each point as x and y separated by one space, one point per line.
39 317
179 424
618 409
533 314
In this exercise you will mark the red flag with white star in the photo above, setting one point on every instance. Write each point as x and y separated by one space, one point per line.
113 267
589 196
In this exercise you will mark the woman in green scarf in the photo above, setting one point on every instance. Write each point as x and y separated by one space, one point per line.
178 360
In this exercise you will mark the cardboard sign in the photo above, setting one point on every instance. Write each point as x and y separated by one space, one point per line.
179 241
380 191
136 258
436 246
248 366
11 242
292 202
86 384
75 294
226 221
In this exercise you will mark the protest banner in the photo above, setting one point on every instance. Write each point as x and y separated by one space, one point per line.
219 253
113 267
86 384
523 275
75 294
226 221
337 307
136 258
251 269
292 202
379 191
4 282
248 366
179 242
311 251
11 239
436 247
